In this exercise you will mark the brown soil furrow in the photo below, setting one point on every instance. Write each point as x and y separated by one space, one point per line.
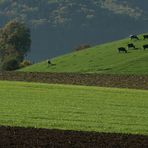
15 137
120 81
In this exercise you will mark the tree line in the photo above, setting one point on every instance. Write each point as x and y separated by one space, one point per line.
15 43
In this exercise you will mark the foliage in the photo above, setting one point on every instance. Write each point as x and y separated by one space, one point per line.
81 47
74 107
61 11
15 41
10 64
25 63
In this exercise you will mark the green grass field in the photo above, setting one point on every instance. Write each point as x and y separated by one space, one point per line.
73 107
100 59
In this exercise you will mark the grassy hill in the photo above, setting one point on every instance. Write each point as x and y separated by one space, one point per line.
100 59
73 107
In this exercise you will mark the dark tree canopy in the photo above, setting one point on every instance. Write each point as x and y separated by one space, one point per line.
15 41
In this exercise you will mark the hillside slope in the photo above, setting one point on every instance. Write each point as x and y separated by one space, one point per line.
100 59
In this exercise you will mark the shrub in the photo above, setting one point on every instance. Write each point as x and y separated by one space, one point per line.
82 47
10 64
25 63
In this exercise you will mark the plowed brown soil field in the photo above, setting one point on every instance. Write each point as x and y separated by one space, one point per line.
43 138
121 81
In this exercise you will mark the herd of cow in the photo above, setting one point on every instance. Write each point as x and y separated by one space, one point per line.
131 45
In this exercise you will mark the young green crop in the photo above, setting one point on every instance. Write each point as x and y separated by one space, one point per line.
73 107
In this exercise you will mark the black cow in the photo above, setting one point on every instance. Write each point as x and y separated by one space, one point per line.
131 45
122 49
145 46
145 37
134 37
49 62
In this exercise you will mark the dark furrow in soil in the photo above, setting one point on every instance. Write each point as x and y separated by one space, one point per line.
15 137
120 81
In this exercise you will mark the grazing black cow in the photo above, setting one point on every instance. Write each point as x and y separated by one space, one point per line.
122 49
131 45
134 37
145 37
145 46
49 62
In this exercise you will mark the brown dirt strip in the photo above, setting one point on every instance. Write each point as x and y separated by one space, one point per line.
14 137
121 81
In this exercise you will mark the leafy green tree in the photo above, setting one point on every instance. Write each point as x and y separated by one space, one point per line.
10 64
15 41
